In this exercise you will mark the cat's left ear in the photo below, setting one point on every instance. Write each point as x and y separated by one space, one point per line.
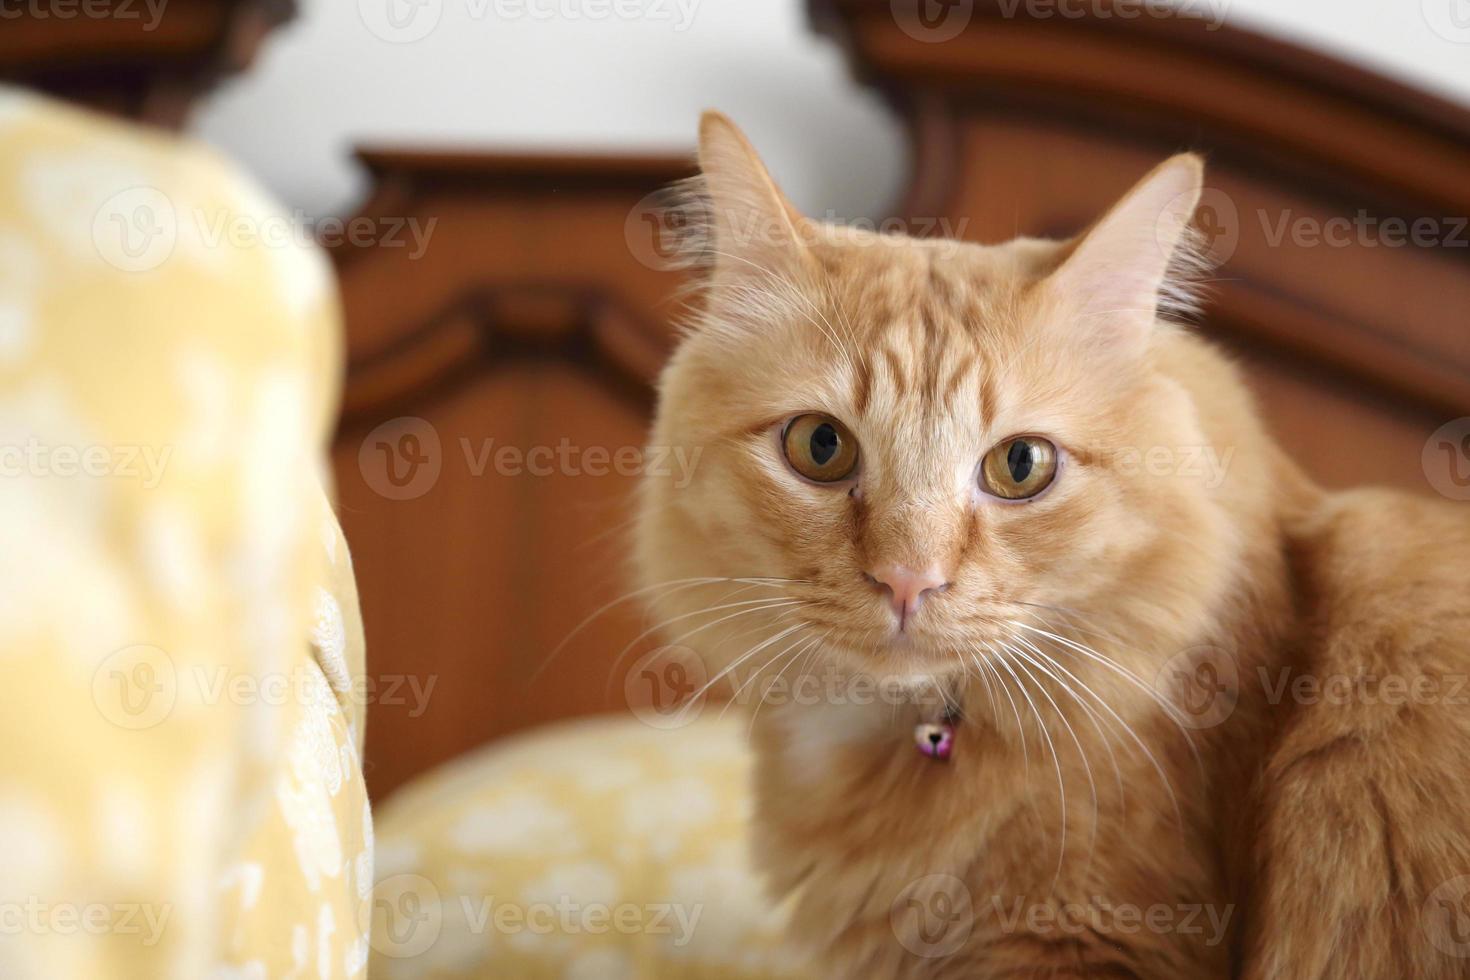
1117 279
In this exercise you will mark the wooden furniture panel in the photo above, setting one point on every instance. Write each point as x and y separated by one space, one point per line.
534 322
469 586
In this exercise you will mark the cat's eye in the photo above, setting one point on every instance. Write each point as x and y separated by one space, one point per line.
1019 468
820 448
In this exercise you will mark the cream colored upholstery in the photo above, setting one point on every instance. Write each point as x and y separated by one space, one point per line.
592 850
180 791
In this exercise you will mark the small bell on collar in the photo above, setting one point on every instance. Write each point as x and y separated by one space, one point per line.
935 740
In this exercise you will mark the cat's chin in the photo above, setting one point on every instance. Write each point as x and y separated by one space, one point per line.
906 664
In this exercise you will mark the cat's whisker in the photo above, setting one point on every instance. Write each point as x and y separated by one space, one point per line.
985 680
725 672
949 706
1125 309
1087 651
740 636
1022 661
1056 763
843 319
1137 741
674 585
814 654
756 606
1128 675
1020 726
1106 733
766 693
755 674
1071 616
608 532
731 670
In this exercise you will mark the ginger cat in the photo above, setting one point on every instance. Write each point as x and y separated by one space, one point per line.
962 473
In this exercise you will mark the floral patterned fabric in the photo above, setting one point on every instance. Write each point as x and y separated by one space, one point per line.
594 850
180 787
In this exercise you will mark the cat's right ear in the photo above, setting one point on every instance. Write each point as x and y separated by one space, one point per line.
753 229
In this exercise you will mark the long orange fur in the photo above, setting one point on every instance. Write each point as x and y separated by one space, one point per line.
1287 837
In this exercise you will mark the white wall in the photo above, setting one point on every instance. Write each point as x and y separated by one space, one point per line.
500 74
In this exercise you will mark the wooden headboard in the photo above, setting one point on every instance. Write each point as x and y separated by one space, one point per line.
540 311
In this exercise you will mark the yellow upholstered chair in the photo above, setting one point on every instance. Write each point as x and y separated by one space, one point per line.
180 727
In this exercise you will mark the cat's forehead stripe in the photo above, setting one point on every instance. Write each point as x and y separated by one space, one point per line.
863 384
919 318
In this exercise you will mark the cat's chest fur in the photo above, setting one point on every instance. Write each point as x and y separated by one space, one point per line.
863 829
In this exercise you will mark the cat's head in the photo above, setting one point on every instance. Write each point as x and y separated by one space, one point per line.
909 447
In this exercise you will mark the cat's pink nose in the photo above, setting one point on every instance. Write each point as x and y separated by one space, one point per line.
907 588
